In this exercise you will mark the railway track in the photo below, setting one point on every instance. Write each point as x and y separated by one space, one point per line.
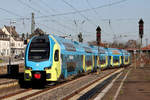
90 90
64 90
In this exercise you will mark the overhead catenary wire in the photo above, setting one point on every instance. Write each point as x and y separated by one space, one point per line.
39 24
53 21
67 13
108 19
74 12
23 3
42 14
60 33
94 10
91 7
106 5
86 10
50 8
15 14
66 26
79 12
110 22
57 22
60 24
10 12
46 5
39 6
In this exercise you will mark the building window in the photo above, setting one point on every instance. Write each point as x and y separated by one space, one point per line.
7 51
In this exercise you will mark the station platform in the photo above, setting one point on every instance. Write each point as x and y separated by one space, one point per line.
5 83
10 80
133 84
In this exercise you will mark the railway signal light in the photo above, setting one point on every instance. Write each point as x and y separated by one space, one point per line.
141 27
98 35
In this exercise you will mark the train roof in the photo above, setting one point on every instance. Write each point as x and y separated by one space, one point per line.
74 47
80 48
101 50
125 52
114 51
69 46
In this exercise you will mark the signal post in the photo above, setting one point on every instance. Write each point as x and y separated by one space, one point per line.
98 40
141 33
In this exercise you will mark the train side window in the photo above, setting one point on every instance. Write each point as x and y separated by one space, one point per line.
122 57
109 57
56 55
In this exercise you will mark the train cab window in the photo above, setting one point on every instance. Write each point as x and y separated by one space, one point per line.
39 49
56 55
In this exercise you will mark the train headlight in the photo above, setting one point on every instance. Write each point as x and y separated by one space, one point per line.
27 75
48 76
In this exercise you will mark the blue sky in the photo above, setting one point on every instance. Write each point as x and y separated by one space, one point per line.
118 21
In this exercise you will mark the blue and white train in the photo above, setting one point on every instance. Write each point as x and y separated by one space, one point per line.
52 58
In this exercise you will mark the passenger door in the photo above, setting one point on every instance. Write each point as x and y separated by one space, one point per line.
57 61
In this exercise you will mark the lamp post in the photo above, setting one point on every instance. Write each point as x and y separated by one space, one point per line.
11 22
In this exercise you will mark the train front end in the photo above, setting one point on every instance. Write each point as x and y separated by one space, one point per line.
39 63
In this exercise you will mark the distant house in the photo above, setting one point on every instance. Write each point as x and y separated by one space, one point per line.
9 39
132 44
4 44
10 30
95 43
146 48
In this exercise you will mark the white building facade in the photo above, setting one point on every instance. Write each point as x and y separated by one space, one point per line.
10 42
4 48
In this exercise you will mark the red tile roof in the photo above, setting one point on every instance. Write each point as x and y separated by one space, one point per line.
146 47
131 49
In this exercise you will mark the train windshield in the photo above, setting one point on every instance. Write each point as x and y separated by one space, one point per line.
39 49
